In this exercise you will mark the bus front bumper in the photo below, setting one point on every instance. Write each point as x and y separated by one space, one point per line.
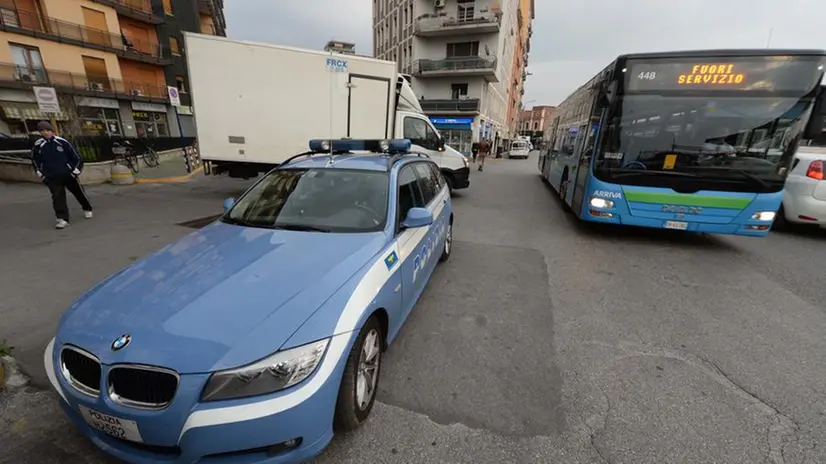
751 228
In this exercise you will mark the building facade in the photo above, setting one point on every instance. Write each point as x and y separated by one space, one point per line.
536 123
110 62
460 54
519 71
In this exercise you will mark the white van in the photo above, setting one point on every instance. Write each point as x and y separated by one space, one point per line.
519 149
264 103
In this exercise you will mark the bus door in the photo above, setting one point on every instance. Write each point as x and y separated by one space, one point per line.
546 155
583 155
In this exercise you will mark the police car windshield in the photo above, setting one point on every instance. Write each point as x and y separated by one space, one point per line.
315 200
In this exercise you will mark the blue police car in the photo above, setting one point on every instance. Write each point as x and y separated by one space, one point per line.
254 338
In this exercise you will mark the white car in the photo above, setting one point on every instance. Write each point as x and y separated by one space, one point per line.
804 201
519 149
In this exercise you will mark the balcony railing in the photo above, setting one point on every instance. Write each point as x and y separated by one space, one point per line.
137 9
66 32
24 76
441 26
470 65
470 105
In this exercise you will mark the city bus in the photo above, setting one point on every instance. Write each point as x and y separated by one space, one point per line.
699 141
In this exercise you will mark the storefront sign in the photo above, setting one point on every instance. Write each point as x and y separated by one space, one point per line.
95 102
47 99
451 120
185 110
150 107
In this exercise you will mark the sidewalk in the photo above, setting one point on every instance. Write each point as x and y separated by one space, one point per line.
171 170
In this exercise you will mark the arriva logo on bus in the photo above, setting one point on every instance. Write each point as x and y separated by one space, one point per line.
608 194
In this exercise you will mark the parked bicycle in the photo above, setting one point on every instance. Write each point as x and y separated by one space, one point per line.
126 155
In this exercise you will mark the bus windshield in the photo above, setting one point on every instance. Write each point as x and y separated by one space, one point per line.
737 138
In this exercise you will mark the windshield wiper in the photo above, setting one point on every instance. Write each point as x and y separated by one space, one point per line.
749 176
301 228
237 221
645 172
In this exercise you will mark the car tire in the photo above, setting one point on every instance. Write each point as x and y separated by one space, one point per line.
780 223
351 410
448 247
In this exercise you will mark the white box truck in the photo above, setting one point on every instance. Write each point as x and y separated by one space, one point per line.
258 104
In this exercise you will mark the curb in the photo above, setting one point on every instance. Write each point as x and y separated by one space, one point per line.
10 375
171 180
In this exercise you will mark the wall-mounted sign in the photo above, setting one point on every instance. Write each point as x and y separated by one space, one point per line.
47 100
451 120
150 107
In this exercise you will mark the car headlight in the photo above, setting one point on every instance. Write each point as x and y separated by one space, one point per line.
767 216
601 203
465 161
271 374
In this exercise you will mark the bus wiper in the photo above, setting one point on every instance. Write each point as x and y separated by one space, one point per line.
645 172
301 228
749 176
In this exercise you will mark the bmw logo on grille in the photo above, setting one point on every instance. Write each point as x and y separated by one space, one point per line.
121 342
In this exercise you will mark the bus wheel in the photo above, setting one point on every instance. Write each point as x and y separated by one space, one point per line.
563 192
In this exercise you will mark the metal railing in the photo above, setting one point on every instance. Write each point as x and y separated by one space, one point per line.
431 24
138 9
44 26
470 105
66 80
464 63
94 148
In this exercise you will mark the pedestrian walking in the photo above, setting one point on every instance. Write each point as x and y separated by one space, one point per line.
474 150
58 165
484 151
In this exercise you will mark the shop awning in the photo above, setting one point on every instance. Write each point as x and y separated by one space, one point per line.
27 111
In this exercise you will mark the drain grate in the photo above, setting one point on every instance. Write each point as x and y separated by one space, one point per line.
200 222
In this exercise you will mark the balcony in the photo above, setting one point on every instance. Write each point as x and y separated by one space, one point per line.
96 86
457 66
44 27
135 9
215 9
444 26
447 107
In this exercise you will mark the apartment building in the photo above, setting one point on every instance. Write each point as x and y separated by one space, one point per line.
110 62
536 122
460 54
519 71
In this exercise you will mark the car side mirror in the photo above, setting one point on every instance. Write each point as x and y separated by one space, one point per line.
417 217
228 203
817 121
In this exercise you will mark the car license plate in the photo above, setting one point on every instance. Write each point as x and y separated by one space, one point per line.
676 225
111 425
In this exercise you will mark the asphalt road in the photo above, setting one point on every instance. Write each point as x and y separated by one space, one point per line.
541 340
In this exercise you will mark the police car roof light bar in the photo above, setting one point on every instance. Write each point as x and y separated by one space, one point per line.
392 146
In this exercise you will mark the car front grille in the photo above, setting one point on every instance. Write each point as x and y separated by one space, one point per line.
81 370
142 387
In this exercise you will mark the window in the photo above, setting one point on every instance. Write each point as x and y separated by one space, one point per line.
28 64
465 10
315 200
428 183
415 129
179 80
150 124
99 121
462 49
458 90
167 7
96 74
9 17
440 181
410 194
174 46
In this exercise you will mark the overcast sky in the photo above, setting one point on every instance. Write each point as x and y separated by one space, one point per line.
572 40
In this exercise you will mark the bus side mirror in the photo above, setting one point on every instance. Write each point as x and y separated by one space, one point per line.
607 94
817 121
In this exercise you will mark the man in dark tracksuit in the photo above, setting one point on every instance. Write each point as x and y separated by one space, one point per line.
58 165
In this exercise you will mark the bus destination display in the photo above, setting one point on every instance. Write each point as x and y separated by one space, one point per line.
753 74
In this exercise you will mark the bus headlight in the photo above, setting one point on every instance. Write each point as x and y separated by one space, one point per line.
601 203
767 216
